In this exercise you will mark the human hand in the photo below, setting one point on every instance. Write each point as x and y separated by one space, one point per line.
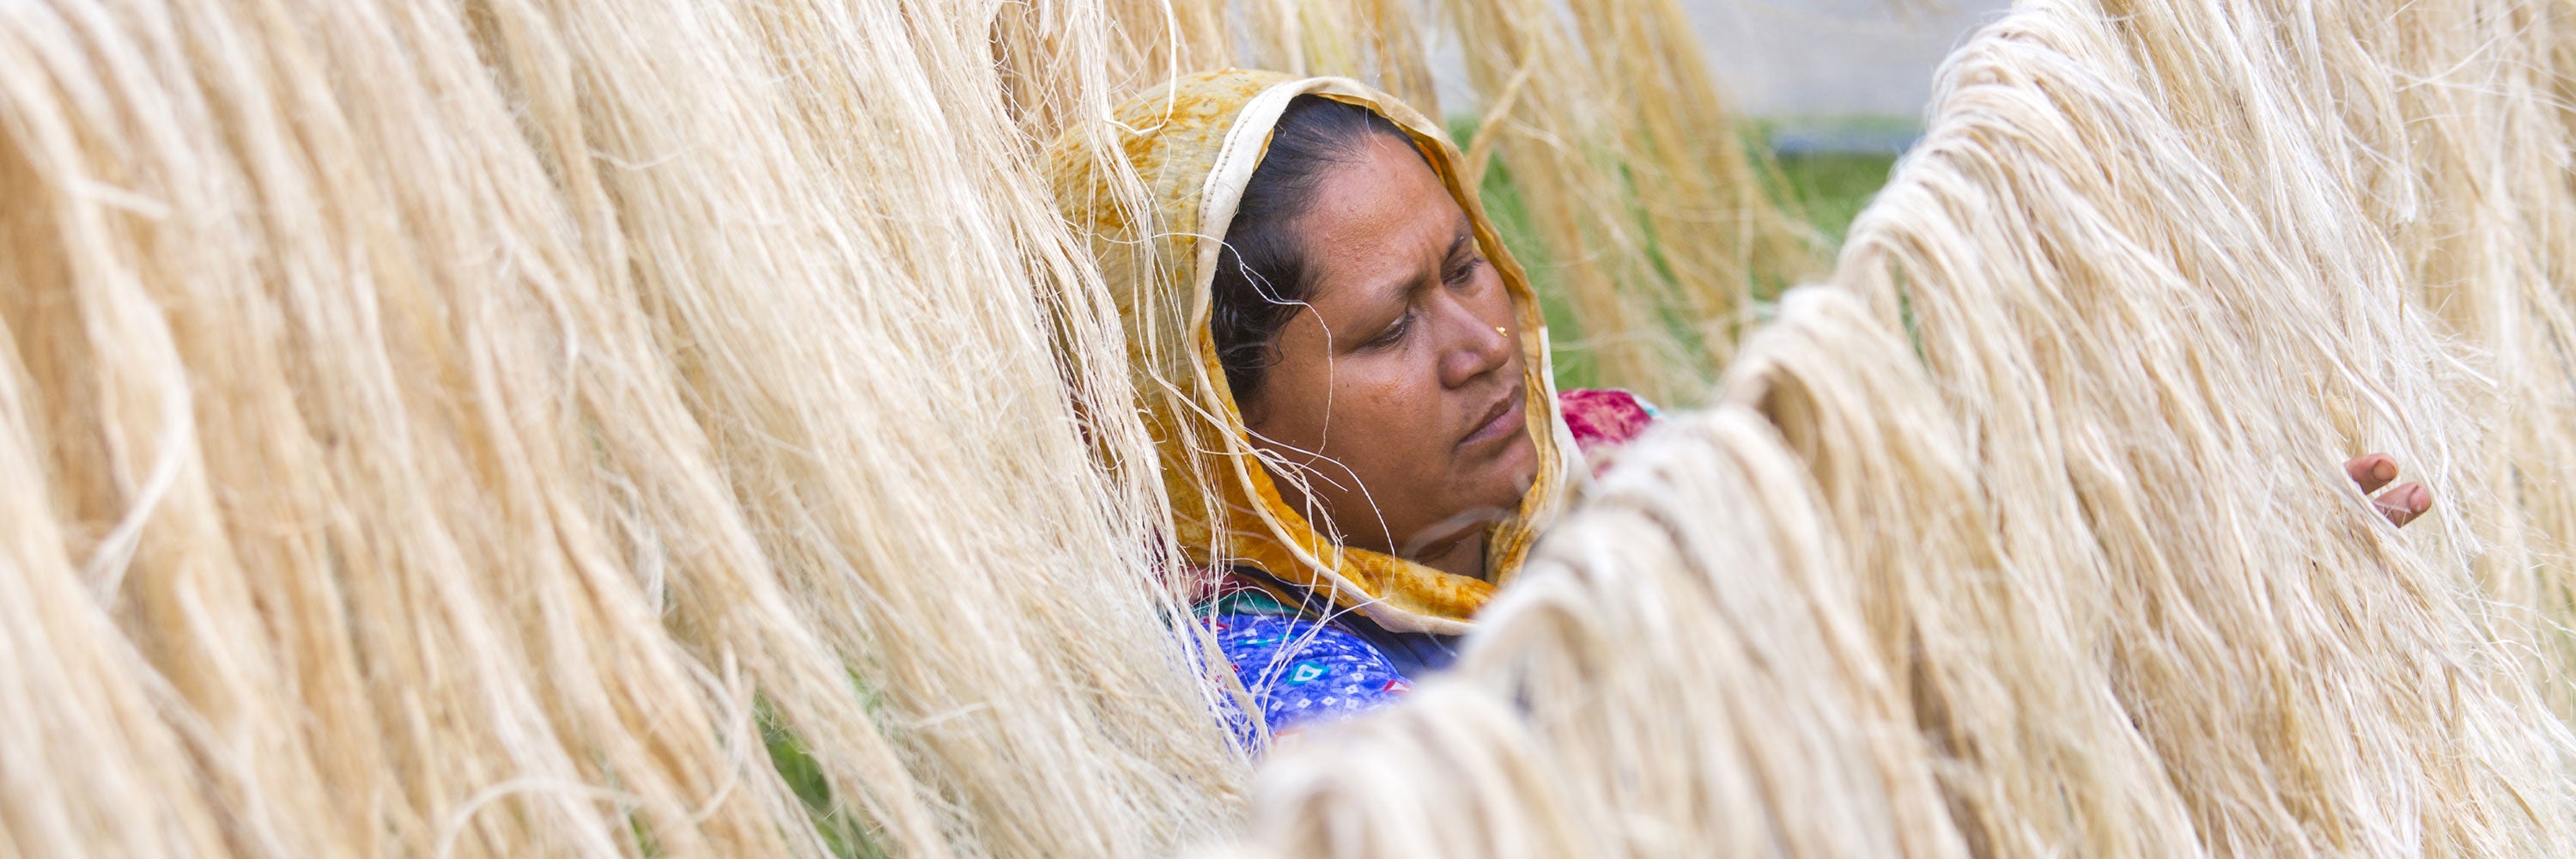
2401 503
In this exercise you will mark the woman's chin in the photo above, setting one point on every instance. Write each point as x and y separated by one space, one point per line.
1518 466
1508 476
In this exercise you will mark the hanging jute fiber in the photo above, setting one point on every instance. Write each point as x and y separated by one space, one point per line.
2023 534
689 428
677 428
541 429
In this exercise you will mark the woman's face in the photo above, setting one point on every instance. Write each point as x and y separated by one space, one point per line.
1397 394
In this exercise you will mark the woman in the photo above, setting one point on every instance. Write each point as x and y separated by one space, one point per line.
1350 392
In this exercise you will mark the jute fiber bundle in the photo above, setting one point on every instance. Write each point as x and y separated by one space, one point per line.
538 428
2060 439
497 429
2447 174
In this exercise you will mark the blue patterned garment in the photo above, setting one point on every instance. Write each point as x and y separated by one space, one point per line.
1299 670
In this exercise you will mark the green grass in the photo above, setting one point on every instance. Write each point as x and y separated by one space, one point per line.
1834 186
842 831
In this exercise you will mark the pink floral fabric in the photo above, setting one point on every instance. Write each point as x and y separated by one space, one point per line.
1603 420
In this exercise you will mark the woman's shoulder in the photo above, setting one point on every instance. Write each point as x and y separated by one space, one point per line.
1300 669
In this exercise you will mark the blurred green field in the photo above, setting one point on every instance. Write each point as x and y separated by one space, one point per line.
1832 187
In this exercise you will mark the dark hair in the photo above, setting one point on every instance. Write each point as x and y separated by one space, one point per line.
1261 272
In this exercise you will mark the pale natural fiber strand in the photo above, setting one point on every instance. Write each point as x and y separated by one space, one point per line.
538 428
494 430
2066 421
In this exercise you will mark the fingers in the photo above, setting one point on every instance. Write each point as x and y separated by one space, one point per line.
2372 470
2402 504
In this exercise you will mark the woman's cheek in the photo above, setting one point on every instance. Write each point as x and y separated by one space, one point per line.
1387 409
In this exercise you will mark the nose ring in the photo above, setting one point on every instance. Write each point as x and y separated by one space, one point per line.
1501 330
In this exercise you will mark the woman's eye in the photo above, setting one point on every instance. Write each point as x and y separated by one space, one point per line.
1464 269
1393 332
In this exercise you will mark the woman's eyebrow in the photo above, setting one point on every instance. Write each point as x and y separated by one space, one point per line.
1425 280
1405 287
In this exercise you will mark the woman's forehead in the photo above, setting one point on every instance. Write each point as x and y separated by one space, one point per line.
1381 221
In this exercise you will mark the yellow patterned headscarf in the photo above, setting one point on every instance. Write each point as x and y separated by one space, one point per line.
1193 145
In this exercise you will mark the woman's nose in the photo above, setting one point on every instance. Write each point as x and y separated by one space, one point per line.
1475 347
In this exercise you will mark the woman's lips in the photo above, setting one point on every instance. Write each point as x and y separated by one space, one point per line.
1501 421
